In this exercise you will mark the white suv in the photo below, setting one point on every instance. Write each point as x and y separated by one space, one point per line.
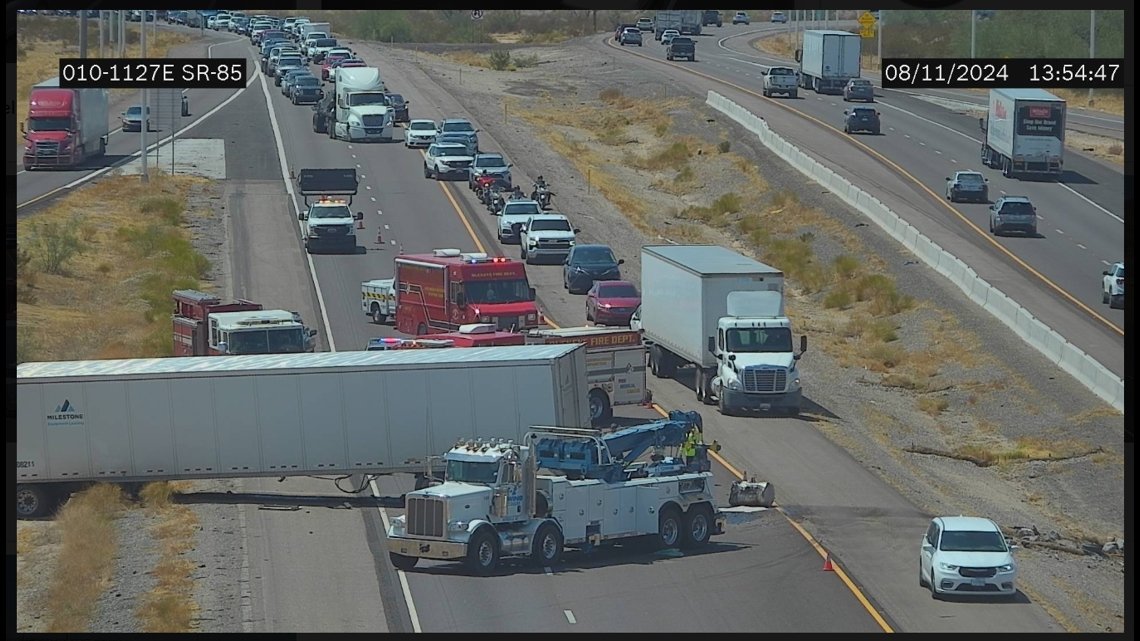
1112 286
965 555
546 236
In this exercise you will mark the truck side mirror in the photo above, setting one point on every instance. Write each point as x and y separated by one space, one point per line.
621 261
799 55
947 178
712 344
732 357
303 216
223 347
359 215
312 333
803 344
532 293
1105 272
577 231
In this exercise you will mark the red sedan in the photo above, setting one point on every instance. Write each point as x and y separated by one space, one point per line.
612 302
330 61
326 72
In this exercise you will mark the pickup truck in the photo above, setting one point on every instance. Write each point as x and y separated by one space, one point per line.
378 299
513 216
546 236
780 80
681 47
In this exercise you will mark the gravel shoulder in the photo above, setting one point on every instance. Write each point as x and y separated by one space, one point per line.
979 383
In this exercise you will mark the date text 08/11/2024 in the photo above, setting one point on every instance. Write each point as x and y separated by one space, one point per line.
153 73
1003 73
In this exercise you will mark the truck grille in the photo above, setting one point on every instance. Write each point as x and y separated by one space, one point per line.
510 323
331 230
553 244
426 516
372 120
48 149
765 379
977 572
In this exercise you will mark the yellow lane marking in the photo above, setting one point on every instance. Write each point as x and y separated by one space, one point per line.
1057 288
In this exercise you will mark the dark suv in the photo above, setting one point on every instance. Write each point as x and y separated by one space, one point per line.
681 47
859 89
864 119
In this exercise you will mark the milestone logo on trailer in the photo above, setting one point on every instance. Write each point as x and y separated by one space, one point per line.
65 415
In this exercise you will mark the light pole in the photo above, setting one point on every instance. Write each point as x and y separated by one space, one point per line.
1092 44
145 111
973 30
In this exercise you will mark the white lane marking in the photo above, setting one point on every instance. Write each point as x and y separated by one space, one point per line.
977 141
354 156
1059 231
1106 262
362 175
938 152
834 105
368 186
570 617
921 144
379 211
891 128
358 165
160 143
385 227
297 208
1039 217
953 161
403 576
1081 246
906 135
373 198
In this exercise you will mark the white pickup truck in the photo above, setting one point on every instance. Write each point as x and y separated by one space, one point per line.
546 236
378 299
513 216
780 80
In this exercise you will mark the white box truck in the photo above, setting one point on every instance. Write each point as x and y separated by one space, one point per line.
1024 133
722 313
687 23
349 413
829 59
362 107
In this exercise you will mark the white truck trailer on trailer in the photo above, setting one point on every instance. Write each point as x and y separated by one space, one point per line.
723 313
347 413
1024 133
829 59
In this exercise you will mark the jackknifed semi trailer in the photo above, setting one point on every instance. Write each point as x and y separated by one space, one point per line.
345 414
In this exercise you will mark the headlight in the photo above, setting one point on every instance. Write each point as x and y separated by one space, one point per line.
484 319
947 567
457 526
733 384
398 521
354 122
1005 568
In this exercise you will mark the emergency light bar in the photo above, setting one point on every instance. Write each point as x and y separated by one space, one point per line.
477 260
383 344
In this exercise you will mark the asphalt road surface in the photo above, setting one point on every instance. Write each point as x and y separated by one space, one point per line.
869 528
1055 275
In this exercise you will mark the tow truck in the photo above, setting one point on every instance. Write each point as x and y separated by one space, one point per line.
494 503
328 221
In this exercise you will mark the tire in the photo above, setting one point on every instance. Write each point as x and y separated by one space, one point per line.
294 100
670 526
794 95
1104 298
427 172
401 562
601 410
922 582
590 316
1116 302
548 544
522 251
483 552
933 590
377 316
699 385
33 502
698 526
722 405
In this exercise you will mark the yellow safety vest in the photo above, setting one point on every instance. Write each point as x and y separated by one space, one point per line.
690 446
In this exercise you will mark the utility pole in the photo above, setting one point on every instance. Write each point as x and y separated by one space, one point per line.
973 31
879 37
83 33
145 110
122 34
1092 44
102 34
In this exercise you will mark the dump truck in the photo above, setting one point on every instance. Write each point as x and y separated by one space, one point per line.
722 313
828 60
65 127
349 414
495 503
1024 133
206 326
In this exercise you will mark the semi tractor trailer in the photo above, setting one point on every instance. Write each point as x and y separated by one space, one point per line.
722 313
595 490
1024 133
65 127
348 414
828 60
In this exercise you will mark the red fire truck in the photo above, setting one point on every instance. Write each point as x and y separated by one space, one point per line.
446 289
205 326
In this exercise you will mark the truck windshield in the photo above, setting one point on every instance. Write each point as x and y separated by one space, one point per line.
767 340
497 291
781 71
330 212
361 99
550 225
471 472
49 124
282 340
521 209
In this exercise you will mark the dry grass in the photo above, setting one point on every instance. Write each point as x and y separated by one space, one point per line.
933 405
170 606
1025 449
111 299
89 543
42 41
1106 100
1108 149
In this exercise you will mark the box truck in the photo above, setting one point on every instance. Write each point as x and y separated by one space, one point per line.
687 23
722 313
346 414
1024 133
828 60
65 127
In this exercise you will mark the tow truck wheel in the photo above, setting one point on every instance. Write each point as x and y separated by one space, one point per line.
483 552
600 408
698 526
377 316
669 528
401 562
547 545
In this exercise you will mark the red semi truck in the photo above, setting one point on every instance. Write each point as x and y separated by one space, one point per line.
65 127
205 326
446 289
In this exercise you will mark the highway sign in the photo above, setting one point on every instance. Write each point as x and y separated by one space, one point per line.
867 32
476 14
867 19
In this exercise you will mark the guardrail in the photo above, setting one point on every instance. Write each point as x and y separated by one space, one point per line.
1093 375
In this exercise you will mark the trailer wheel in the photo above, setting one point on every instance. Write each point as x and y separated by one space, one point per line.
600 408
669 528
34 502
698 526
547 545
401 562
378 317
483 551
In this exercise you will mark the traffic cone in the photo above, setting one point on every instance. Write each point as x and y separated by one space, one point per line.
360 223
379 236
827 566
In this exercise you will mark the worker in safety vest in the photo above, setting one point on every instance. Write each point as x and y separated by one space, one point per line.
689 447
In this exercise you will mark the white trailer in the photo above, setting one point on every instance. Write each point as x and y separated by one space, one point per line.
346 413
615 365
687 23
696 310
1024 133
829 59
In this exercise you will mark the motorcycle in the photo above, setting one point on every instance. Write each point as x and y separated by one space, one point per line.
497 195
541 194
480 185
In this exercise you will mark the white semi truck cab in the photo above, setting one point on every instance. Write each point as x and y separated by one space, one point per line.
756 361
494 504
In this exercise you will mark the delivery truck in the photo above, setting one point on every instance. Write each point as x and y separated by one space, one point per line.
65 127
687 23
1024 133
722 313
347 414
828 60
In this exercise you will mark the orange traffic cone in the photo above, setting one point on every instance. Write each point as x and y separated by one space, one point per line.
827 566
360 223
379 236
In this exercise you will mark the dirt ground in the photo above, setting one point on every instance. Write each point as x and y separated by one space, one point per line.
633 162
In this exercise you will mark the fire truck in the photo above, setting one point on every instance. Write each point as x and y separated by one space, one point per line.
446 289
205 326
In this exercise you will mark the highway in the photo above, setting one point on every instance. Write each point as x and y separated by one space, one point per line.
869 528
1055 276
